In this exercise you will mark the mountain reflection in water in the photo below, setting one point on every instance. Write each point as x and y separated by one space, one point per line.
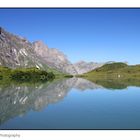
16 100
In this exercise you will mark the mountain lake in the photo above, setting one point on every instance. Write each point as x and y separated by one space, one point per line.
73 103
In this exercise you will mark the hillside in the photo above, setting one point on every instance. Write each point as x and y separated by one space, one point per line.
16 52
24 75
115 75
84 67
19 52
53 58
114 71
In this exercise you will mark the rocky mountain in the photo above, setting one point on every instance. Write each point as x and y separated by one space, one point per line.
16 51
57 60
54 58
84 67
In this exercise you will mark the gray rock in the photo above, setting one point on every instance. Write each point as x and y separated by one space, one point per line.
84 67
16 52
54 58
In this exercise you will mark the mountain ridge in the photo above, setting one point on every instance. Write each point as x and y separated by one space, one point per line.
17 51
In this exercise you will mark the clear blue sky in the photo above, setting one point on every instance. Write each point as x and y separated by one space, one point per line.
82 34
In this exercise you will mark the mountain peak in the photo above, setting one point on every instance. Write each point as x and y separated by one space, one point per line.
39 43
80 62
1 29
53 58
17 51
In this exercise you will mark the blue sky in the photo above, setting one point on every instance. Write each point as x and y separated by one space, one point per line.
97 35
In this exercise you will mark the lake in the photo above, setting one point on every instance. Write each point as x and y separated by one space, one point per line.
73 103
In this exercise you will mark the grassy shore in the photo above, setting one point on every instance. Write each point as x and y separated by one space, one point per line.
115 75
25 74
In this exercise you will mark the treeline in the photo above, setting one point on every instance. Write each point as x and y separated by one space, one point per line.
25 74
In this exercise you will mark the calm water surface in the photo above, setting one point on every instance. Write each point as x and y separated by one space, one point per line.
69 104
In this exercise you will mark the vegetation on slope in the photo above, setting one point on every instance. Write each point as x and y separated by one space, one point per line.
115 70
115 75
25 74
28 75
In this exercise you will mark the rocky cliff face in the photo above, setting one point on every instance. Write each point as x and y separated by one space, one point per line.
16 51
54 58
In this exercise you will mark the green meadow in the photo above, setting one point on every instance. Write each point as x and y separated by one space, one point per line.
115 75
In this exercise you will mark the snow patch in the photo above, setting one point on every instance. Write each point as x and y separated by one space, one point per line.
37 67
23 52
15 51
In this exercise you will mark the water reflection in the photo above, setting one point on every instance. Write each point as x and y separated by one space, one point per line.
16 100
117 83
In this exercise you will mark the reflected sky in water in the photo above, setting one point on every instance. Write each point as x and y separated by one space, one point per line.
69 104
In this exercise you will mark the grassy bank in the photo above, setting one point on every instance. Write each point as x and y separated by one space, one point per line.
25 74
115 75
114 71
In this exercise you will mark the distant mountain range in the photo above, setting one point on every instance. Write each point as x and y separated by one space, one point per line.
16 51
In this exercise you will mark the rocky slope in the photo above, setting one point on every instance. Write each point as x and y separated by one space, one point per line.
16 51
84 67
54 58
57 60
